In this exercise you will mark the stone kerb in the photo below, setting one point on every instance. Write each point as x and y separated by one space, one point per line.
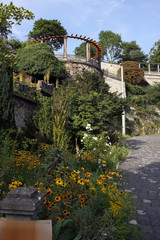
21 204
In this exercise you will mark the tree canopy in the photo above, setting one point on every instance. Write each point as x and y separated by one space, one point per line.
132 52
81 50
132 73
38 59
9 15
43 28
155 52
111 43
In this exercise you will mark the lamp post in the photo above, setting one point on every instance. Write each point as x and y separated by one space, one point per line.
123 96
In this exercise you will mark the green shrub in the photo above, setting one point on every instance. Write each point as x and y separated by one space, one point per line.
132 73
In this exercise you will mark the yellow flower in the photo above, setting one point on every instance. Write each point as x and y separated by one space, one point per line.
87 174
77 172
58 219
83 169
66 213
119 175
103 161
57 198
59 181
104 190
103 177
81 181
99 182
92 188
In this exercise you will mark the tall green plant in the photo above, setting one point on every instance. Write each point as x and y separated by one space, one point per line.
51 117
60 116
42 119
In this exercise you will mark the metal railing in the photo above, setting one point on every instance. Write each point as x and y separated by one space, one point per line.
76 58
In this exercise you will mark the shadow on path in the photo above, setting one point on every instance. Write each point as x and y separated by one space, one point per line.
141 173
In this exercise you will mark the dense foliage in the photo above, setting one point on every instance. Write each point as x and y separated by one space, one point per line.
6 97
38 59
132 73
132 52
9 15
111 43
82 194
155 53
86 101
44 28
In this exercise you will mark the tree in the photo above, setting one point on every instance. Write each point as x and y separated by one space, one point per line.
6 97
9 15
132 73
81 50
38 59
132 52
91 103
155 53
111 44
43 28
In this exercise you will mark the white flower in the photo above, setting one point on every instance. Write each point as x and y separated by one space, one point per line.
88 127
99 161
95 138
85 135
81 140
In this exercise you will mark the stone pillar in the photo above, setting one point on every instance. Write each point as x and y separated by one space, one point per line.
149 68
65 48
21 204
88 51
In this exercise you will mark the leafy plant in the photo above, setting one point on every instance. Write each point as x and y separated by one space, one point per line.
27 61
132 73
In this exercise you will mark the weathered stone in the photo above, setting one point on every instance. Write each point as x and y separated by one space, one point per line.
21 203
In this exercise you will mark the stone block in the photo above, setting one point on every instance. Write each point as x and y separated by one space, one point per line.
21 203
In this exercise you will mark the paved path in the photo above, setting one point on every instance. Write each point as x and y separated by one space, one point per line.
142 173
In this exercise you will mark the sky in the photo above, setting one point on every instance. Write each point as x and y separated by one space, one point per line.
134 20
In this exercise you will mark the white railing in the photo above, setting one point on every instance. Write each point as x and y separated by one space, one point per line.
77 58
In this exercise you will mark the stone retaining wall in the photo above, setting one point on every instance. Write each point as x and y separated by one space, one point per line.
75 68
110 67
23 108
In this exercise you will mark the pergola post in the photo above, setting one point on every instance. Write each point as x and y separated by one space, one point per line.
88 51
149 68
65 48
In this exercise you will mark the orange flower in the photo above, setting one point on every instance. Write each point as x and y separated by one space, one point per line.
57 198
58 219
66 213
68 204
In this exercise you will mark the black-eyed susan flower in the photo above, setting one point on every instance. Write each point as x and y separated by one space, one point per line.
66 213
57 198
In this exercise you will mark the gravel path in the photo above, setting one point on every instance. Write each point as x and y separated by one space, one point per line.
141 171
